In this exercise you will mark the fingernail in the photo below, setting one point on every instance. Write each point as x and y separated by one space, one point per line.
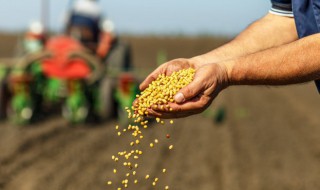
179 98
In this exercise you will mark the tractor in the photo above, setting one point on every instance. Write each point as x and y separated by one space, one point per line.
67 74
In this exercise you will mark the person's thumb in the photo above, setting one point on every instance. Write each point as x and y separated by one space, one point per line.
188 92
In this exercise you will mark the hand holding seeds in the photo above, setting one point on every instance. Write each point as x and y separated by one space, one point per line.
209 80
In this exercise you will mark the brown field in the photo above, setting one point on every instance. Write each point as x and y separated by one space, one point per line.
269 140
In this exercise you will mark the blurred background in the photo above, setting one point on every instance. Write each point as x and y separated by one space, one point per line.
68 69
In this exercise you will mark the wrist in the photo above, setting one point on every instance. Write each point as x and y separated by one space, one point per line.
227 67
198 61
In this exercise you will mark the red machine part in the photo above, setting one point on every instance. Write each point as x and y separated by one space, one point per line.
126 80
61 65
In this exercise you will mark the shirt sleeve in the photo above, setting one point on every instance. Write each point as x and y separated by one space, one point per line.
282 8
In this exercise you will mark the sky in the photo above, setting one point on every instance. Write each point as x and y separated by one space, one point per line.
193 17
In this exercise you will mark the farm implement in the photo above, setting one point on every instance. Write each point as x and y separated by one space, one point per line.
64 74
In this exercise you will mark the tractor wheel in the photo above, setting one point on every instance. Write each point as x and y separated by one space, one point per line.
20 110
106 103
3 99
119 58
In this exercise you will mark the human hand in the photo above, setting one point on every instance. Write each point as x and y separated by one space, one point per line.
208 81
168 68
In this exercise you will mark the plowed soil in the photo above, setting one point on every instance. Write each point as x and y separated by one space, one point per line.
269 139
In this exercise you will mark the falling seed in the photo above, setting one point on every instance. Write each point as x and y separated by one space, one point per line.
164 170
159 93
109 182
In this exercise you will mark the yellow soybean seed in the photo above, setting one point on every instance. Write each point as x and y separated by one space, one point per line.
164 170
109 182
157 95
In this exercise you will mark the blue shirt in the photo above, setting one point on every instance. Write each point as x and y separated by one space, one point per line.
306 15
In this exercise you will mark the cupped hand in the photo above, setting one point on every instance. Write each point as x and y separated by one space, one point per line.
168 68
208 82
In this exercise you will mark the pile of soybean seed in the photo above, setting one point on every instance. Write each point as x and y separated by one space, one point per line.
158 94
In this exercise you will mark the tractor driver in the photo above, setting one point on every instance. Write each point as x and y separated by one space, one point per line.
85 23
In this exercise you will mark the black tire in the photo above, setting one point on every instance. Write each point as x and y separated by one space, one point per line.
3 99
119 58
106 101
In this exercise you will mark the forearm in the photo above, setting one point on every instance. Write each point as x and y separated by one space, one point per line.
270 31
296 62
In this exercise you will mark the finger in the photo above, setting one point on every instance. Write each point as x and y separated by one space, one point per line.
191 107
151 77
190 91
